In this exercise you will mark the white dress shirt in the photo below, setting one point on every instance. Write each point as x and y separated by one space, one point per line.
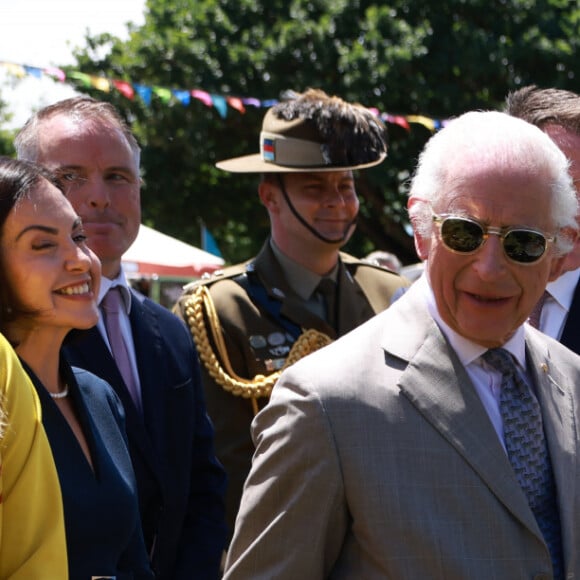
486 380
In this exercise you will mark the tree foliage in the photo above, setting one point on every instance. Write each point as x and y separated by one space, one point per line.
437 58
6 136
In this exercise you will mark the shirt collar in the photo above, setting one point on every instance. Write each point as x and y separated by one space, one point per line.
562 289
302 280
467 350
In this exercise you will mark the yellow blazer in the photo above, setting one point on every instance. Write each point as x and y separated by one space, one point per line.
32 537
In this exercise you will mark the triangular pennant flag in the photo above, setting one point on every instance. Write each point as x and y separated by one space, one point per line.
16 70
55 73
421 120
236 103
251 101
83 78
144 92
125 88
202 96
163 93
183 96
33 71
101 84
208 242
220 104
397 120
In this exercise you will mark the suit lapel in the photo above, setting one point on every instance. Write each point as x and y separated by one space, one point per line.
354 308
87 349
555 394
436 383
148 350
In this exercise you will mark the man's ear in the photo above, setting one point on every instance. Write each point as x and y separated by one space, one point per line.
422 242
556 268
422 246
571 261
268 196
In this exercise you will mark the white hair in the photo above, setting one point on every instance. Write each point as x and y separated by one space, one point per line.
497 138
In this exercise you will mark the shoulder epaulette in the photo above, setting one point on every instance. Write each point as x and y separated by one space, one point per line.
352 262
211 278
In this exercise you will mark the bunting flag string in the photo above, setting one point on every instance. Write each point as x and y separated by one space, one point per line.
220 103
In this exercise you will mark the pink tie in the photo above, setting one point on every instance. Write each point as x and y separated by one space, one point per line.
111 305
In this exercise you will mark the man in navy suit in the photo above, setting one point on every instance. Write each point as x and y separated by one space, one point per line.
557 113
180 482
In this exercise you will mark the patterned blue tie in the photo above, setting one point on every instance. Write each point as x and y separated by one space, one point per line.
528 452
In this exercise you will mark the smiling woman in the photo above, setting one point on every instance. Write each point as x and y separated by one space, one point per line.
49 280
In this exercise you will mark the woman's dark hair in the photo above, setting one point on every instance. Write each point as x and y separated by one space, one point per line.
17 180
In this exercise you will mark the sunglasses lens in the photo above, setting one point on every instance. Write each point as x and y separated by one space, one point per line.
461 235
524 246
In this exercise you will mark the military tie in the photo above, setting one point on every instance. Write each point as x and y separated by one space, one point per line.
111 306
528 452
327 289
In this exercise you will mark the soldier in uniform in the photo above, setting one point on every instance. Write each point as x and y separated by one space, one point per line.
300 292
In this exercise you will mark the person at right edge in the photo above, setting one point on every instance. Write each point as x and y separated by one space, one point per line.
252 319
557 113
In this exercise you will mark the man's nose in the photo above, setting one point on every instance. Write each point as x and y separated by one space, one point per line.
97 192
332 196
490 258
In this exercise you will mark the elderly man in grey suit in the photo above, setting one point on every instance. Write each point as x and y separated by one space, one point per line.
440 439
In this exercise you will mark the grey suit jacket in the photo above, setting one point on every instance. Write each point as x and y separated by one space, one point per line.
376 459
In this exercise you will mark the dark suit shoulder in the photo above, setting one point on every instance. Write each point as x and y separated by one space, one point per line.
170 324
166 318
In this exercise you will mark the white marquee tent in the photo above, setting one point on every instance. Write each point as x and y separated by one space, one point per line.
154 253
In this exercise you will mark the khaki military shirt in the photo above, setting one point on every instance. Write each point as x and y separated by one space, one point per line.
260 317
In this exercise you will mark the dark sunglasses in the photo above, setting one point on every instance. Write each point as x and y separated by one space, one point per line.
465 236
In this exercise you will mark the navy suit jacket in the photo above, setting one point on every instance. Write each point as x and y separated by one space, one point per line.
571 333
181 484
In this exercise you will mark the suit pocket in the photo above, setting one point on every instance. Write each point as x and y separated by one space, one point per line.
183 385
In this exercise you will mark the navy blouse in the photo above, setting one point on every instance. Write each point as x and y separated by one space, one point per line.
103 527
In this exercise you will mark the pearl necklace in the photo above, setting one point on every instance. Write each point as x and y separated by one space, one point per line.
60 395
